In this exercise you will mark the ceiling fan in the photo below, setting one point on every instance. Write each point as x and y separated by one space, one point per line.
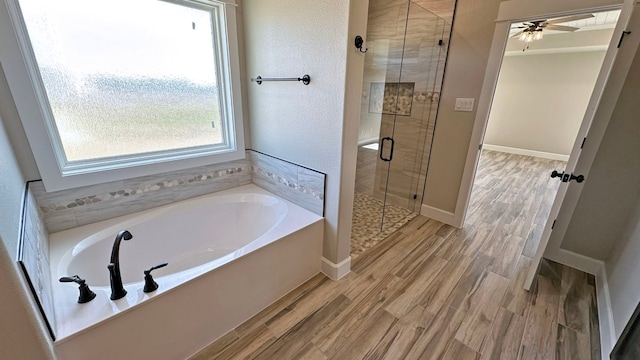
532 30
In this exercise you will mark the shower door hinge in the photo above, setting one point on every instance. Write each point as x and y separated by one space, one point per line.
583 140
480 147
554 224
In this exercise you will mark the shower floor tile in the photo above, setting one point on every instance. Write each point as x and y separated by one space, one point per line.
366 229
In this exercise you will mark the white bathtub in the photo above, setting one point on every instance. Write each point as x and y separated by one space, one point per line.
230 254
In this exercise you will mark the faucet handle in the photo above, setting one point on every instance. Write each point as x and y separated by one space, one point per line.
156 267
150 284
75 278
86 294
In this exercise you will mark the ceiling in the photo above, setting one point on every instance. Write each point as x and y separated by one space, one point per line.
601 20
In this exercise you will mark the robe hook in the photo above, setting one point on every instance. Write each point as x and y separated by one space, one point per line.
359 42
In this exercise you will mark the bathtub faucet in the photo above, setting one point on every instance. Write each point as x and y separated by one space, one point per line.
117 289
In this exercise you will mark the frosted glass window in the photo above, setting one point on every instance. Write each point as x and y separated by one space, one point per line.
126 77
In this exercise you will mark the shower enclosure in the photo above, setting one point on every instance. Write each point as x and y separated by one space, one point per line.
404 67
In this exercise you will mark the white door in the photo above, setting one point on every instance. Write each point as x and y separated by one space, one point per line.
615 67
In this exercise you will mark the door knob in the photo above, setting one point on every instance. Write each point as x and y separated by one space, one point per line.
557 174
578 179
567 177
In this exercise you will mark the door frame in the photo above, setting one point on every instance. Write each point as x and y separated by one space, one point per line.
510 11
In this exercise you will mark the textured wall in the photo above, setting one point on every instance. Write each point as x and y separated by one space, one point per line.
297 123
623 270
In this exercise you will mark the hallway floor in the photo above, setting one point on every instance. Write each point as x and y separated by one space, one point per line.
430 291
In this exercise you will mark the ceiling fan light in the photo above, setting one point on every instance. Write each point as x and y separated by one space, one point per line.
538 35
523 36
529 37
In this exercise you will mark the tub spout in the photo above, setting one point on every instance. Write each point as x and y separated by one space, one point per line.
115 278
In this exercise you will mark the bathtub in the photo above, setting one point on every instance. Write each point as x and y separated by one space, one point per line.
230 254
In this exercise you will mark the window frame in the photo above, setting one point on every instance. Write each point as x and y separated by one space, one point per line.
25 84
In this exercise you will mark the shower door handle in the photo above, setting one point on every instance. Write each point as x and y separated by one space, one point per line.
384 139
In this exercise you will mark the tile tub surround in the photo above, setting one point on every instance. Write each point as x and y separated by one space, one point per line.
298 184
34 258
67 209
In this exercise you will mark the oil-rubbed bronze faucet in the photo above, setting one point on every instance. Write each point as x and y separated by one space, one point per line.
115 278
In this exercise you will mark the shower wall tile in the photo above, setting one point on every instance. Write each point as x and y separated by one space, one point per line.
412 53
80 206
298 184
34 257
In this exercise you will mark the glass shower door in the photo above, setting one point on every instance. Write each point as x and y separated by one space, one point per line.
403 72
416 98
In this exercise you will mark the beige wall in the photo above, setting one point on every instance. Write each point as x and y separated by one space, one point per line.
540 100
623 272
609 194
473 28
303 124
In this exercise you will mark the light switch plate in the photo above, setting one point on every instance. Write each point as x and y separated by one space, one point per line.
464 104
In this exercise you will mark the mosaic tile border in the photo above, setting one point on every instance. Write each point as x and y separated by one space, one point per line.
286 182
67 209
111 195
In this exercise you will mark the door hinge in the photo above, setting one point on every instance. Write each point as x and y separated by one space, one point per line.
626 32
583 140
480 147
554 224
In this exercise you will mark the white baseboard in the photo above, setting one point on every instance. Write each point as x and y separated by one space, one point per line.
336 271
596 268
605 316
367 141
540 154
575 260
439 215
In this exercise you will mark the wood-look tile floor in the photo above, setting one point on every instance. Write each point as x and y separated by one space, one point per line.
430 291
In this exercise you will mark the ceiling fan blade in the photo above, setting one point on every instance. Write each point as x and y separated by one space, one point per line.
561 28
570 18
517 34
